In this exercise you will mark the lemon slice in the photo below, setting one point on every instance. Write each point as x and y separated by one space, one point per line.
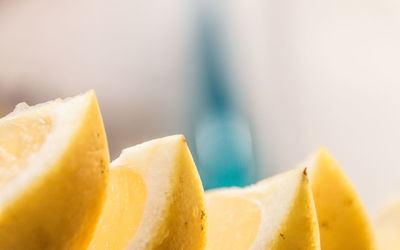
343 223
53 174
277 213
155 199
387 226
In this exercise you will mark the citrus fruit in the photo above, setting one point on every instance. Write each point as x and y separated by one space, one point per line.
53 174
276 213
155 199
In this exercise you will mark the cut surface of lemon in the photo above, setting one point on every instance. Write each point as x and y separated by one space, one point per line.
276 213
53 174
342 220
387 226
155 199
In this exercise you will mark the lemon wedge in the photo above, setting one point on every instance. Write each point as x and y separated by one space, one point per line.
387 226
276 213
155 199
53 174
343 223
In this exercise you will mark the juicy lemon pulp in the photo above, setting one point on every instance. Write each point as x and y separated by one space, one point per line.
236 218
54 173
123 210
20 138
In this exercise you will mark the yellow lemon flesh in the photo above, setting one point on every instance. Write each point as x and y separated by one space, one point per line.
342 220
155 199
20 138
277 213
233 218
122 212
54 170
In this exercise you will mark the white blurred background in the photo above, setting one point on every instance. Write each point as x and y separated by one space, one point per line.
309 73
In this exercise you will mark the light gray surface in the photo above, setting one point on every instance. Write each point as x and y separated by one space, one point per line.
311 73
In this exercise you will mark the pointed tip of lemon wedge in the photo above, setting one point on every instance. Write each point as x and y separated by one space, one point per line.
276 213
155 199
342 219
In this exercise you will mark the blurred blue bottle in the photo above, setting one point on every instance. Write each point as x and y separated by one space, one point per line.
223 145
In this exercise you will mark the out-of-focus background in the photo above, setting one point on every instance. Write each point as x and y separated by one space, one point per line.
256 86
